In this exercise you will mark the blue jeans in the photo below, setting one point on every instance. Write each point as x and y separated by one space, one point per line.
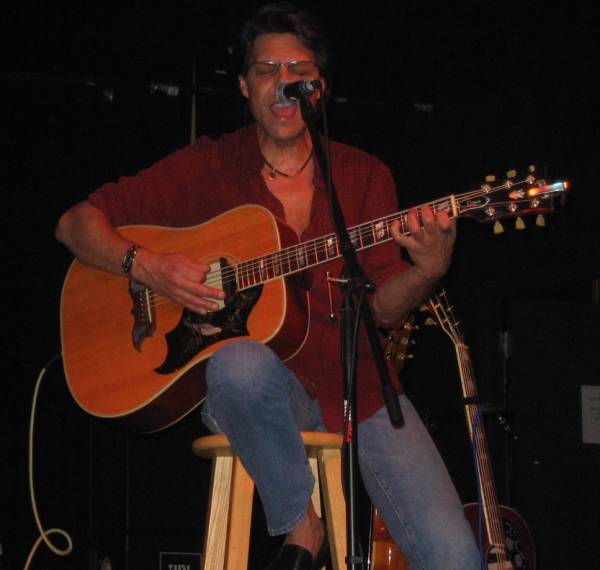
261 406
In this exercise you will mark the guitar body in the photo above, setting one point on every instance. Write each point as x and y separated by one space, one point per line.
519 547
127 354
385 555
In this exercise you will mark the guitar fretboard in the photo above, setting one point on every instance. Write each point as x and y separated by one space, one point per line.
326 248
479 441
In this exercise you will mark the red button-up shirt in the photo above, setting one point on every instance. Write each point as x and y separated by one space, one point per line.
209 177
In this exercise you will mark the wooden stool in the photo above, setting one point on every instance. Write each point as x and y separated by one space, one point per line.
227 537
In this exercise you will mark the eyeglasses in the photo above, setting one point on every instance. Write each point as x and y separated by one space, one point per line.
297 68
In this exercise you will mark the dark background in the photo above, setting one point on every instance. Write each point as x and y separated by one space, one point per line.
445 93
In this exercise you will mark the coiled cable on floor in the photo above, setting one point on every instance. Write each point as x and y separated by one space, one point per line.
44 535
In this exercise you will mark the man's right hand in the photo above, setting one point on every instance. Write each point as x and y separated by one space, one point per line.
177 277
88 233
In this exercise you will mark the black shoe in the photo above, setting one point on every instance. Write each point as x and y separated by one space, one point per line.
295 557
292 557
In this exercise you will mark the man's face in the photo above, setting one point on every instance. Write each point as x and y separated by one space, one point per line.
281 122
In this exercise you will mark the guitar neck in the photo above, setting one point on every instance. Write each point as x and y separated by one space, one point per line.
326 248
476 429
484 204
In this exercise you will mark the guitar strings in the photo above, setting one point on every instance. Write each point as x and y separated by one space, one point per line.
479 440
253 269
323 249
269 267
320 248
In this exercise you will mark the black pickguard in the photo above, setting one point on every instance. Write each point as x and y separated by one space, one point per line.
192 333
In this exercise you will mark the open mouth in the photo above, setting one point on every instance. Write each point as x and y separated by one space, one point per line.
284 110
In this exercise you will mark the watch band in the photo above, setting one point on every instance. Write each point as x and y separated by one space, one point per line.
129 258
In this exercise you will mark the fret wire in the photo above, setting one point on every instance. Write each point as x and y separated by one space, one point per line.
256 273
241 274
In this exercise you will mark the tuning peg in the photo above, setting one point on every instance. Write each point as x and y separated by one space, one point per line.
519 223
429 322
540 221
490 178
511 174
498 227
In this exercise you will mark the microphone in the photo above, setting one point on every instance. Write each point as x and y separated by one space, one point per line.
287 92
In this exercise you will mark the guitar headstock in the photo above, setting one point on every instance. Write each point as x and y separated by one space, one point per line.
514 197
443 316
397 342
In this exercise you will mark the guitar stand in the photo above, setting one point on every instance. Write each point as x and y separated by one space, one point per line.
356 285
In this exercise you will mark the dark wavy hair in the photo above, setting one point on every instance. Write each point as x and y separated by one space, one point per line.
287 18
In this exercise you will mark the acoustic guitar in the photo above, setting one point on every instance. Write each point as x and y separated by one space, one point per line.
383 552
137 360
506 542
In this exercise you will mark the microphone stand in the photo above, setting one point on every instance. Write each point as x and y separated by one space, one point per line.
356 283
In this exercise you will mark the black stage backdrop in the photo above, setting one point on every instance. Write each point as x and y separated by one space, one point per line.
445 94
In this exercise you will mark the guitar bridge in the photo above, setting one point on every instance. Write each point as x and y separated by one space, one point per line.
144 315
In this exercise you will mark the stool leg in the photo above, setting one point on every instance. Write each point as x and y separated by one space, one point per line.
330 463
316 494
240 519
216 534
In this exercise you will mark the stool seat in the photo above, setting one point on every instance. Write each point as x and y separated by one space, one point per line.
211 445
227 537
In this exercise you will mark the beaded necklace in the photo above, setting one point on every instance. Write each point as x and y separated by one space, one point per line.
274 171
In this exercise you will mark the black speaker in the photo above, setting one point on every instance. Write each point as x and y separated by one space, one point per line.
149 496
555 476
